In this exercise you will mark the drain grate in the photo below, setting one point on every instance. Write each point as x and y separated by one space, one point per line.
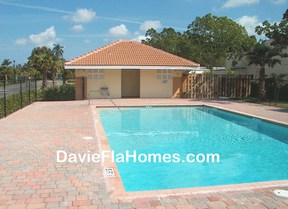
109 172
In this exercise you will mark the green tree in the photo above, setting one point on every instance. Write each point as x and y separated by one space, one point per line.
168 40
25 71
213 38
263 55
276 82
277 32
54 69
58 62
6 69
58 50
41 60
209 40
28 71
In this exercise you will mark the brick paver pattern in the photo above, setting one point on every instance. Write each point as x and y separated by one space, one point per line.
30 177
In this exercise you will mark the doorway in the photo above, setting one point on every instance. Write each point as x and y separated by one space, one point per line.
130 83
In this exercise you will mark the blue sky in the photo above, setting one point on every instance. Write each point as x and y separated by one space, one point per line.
82 26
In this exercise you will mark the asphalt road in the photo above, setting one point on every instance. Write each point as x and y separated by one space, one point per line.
15 88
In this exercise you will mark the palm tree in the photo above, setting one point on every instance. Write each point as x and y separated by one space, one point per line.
263 55
59 62
41 60
6 68
57 65
28 71
58 50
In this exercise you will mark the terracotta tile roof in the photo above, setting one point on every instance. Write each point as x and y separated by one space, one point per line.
129 53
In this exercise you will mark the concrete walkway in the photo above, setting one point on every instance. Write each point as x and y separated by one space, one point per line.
30 177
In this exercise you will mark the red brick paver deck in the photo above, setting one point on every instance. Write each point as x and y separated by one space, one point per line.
30 177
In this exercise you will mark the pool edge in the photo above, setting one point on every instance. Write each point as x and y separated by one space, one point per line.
115 186
249 115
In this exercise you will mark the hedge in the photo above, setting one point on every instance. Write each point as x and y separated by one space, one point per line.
13 102
64 92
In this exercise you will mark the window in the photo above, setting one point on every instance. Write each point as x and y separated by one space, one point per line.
164 74
95 74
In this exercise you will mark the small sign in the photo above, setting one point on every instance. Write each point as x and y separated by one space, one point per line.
108 172
87 137
281 193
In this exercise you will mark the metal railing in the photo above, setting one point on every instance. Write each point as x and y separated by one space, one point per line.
105 92
90 93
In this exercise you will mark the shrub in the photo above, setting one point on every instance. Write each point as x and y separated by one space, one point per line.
254 89
13 102
64 92
283 96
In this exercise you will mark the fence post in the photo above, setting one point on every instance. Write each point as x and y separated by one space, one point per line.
249 84
21 93
5 110
29 90
35 79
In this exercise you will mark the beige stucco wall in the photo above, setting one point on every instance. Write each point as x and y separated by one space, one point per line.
151 87
112 80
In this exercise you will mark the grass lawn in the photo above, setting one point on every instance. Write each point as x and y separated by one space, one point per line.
282 104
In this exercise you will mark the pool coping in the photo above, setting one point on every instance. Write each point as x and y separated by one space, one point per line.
116 188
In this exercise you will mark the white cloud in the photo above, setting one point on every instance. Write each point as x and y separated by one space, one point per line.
150 24
139 38
82 16
238 3
279 1
21 41
249 22
45 38
77 28
119 30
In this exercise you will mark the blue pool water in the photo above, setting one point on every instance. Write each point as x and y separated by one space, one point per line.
250 150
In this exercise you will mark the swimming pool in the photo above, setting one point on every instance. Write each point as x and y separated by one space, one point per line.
251 150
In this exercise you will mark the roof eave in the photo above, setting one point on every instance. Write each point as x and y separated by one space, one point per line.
79 67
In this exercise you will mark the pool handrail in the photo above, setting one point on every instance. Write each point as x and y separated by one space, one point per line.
105 92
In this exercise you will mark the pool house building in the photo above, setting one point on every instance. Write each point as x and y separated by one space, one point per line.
128 69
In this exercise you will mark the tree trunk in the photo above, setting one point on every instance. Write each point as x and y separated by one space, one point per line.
6 77
44 80
261 87
64 76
